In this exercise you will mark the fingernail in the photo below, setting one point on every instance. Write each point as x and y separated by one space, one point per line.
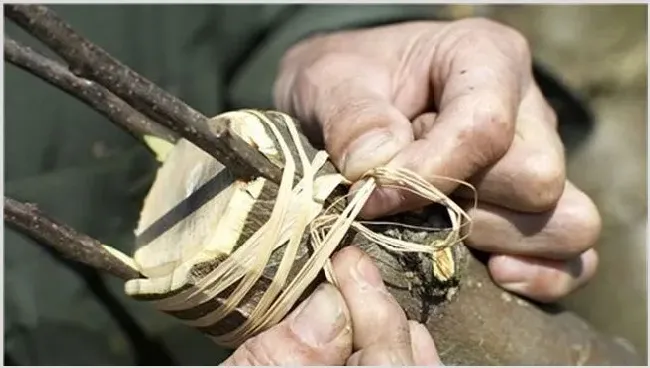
322 319
369 150
366 274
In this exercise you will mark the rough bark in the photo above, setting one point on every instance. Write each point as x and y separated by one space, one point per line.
88 61
30 221
91 93
473 321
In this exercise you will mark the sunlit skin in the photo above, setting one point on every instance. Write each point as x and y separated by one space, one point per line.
454 99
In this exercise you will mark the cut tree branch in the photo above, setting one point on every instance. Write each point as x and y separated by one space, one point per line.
30 221
91 93
89 61
473 324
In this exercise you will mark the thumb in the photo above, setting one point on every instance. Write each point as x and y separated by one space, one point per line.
318 332
367 138
349 99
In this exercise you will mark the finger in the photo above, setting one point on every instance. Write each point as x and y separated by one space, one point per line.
381 329
564 232
351 105
542 280
318 332
477 100
530 177
424 349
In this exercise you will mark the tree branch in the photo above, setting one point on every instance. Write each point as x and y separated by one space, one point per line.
479 323
91 93
30 221
91 62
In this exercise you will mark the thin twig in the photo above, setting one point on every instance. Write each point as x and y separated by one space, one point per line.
91 62
30 221
91 93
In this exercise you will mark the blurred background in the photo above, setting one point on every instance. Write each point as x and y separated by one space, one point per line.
599 51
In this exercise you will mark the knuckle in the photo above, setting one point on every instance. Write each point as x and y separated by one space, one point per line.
542 180
516 39
583 224
482 23
490 133
484 29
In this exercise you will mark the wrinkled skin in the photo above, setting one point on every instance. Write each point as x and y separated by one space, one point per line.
360 323
370 95
454 99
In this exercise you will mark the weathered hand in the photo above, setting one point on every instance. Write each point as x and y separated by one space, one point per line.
362 324
368 96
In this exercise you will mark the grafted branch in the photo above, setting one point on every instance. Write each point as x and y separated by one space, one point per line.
479 323
88 61
79 247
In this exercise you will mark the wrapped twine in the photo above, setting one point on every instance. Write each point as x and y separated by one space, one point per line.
299 209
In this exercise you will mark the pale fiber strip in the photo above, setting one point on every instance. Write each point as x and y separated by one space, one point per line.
272 231
284 194
262 313
262 310
294 210
247 261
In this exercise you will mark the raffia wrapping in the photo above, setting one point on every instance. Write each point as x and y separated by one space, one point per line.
214 249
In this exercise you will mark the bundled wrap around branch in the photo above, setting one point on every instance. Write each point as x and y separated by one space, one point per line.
233 248
198 215
297 213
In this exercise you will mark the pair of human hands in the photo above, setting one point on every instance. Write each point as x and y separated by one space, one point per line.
369 97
